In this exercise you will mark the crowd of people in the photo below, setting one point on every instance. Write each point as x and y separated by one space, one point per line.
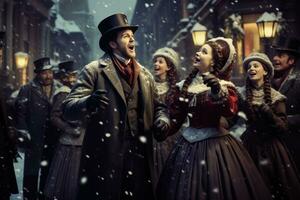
115 130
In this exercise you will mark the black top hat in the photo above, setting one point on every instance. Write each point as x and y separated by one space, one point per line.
287 44
113 23
42 64
67 67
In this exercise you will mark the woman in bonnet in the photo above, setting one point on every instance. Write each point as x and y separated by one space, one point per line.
207 162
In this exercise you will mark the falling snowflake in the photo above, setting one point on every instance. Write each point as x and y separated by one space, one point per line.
215 190
107 135
202 162
83 180
130 172
264 162
44 163
147 5
143 139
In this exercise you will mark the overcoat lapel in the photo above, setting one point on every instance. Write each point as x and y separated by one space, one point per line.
288 84
112 76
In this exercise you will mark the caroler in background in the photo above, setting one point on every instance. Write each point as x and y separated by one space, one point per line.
267 123
62 180
165 65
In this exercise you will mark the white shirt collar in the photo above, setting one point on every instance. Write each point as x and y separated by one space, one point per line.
122 59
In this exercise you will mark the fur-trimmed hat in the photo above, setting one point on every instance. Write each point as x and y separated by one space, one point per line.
232 52
169 54
260 57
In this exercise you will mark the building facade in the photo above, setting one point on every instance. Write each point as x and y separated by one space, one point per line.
169 23
25 28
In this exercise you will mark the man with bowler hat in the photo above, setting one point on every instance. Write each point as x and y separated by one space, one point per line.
117 96
287 81
33 106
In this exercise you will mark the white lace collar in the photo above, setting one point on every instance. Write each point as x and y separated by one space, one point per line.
197 85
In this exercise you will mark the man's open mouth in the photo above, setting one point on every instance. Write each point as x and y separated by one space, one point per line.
131 47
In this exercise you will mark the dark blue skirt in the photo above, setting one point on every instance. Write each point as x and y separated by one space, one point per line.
216 168
62 181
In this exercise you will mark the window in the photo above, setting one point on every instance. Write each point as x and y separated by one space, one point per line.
251 38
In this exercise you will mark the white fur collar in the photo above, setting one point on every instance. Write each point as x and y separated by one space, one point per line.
258 95
197 86
162 87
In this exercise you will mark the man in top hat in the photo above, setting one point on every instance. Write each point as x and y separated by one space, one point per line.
287 81
117 96
33 106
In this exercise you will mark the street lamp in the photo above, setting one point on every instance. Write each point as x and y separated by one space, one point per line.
2 36
22 59
199 34
267 25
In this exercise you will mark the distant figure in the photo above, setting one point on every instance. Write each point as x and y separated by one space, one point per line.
8 183
287 81
33 106
62 181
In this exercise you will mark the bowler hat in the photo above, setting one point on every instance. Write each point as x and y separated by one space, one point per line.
67 67
42 64
287 44
110 24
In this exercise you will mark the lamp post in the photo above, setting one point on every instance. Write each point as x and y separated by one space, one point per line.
4 74
22 59
199 34
2 36
267 26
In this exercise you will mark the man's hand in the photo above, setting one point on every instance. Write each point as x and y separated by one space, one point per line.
97 100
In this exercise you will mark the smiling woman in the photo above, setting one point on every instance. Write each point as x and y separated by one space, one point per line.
207 162
267 123
165 62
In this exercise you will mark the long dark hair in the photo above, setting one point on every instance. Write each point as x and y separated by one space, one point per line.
172 79
267 92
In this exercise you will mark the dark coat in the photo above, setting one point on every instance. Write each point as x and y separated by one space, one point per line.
263 141
291 89
105 140
8 182
33 114
70 132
